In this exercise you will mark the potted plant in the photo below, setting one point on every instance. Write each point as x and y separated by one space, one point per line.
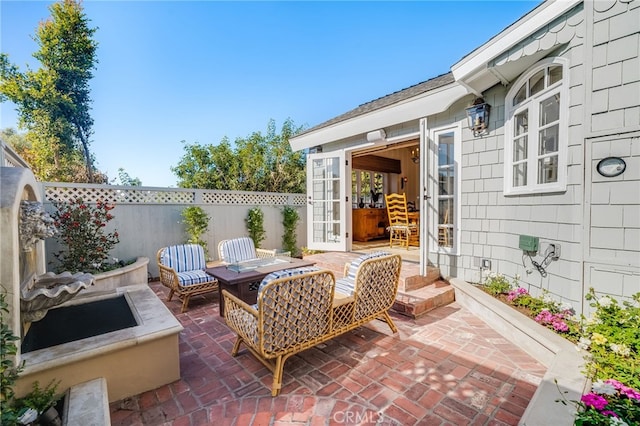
43 400
196 221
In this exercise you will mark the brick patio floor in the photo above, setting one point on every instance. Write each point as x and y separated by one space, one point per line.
445 368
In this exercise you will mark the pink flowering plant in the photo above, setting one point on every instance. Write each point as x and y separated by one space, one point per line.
610 402
610 339
81 231
543 310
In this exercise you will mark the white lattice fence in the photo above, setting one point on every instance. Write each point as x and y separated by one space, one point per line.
56 192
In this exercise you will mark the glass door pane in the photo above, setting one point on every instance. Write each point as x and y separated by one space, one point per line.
325 208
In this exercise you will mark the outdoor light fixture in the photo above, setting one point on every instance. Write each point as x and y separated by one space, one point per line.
376 135
415 154
478 116
611 166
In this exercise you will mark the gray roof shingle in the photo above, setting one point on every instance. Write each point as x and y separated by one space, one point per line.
384 101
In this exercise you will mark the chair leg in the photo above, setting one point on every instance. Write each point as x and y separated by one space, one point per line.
185 302
170 295
277 376
236 346
387 318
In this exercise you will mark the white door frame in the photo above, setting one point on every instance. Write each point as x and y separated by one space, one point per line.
328 172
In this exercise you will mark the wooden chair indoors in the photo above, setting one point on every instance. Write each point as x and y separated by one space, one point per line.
401 230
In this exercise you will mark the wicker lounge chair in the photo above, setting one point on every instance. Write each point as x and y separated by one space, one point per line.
182 270
240 250
300 308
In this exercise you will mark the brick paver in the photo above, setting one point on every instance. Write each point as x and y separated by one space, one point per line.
445 368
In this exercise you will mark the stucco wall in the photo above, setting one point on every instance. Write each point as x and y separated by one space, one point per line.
148 219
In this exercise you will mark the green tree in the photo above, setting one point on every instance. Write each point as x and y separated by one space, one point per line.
259 162
53 102
125 179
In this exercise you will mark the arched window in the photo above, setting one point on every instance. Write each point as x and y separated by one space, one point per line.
536 129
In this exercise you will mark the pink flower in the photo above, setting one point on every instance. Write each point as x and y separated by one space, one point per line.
594 400
560 325
630 393
609 413
616 384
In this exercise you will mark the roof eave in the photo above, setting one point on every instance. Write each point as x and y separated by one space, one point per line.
473 70
423 105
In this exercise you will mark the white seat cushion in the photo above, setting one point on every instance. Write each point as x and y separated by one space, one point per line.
188 278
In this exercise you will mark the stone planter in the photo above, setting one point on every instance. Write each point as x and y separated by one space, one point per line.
136 273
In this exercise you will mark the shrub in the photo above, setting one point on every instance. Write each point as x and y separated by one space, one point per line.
40 399
196 221
8 370
255 225
290 219
497 284
612 337
81 228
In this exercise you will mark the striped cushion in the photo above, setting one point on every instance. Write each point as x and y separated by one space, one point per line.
345 286
188 278
285 273
237 250
355 264
185 257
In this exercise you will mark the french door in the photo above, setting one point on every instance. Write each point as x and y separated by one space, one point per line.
327 201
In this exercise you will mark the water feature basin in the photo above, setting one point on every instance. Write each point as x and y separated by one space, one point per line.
132 360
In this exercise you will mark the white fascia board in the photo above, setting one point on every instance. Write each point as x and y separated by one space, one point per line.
429 103
477 60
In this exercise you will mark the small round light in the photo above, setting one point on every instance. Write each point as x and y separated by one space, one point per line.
611 166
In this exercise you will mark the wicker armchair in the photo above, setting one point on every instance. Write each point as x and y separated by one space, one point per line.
300 308
240 250
182 270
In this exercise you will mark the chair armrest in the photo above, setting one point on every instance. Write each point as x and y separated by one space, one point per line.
168 276
346 269
233 302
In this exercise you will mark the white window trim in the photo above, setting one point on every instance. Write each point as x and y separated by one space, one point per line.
563 131
457 155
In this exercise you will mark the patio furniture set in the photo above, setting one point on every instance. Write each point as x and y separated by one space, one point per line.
279 306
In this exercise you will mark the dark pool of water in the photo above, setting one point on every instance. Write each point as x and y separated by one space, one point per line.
71 323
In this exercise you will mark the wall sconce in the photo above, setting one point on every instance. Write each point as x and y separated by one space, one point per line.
376 135
478 116
415 154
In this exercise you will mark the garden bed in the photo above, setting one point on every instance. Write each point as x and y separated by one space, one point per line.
564 363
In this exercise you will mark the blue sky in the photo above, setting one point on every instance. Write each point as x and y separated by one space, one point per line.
197 71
